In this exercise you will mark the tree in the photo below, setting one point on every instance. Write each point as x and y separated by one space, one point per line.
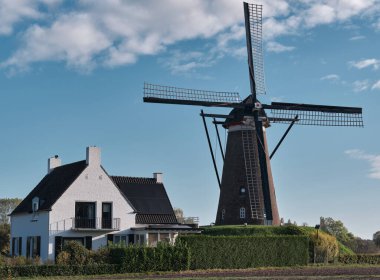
178 212
5 233
337 229
7 205
376 238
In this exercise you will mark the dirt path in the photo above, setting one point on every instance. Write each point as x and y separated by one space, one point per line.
370 272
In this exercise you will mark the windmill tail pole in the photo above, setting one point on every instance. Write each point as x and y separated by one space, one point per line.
210 146
220 143
283 137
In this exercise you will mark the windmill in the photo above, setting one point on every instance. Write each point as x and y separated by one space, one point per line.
247 193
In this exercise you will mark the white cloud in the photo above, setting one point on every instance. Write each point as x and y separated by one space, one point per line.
356 38
376 85
361 64
373 160
331 77
111 33
13 12
361 85
278 48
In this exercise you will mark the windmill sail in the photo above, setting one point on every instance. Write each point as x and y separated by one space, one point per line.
255 26
320 115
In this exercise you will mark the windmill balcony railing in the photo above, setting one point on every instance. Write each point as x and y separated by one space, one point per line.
80 223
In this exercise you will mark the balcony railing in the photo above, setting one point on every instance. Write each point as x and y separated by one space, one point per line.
80 223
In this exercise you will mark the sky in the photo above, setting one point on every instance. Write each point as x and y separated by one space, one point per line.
72 75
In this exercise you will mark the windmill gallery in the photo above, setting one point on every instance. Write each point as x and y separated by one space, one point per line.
247 193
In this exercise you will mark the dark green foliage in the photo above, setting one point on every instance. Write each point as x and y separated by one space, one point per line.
73 253
164 257
5 234
359 259
56 270
246 251
253 230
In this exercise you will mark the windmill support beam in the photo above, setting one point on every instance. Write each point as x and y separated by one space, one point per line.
220 143
218 116
211 151
283 136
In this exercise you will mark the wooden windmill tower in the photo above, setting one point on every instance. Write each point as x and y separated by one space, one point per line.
247 193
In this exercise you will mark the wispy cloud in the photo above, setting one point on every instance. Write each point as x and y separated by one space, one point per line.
356 38
376 85
331 77
364 63
361 85
278 48
372 159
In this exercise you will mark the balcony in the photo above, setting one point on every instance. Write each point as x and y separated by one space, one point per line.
95 224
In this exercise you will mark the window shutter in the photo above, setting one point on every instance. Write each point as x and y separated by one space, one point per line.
131 238
20 246
109 238
13 246
28 247
39 246
88 242
58 245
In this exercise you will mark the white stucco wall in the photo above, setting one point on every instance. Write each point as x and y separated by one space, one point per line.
93 185
24 225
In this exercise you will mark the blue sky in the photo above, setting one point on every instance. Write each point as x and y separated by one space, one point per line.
72 73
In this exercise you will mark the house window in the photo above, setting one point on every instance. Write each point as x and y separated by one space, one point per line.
121 239
16 246
140 239
33 246
242 213
106 215
35 204
85 215
152 239
223 213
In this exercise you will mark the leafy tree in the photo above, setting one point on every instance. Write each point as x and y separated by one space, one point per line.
178 214
5 233
337 229
6 207
376 238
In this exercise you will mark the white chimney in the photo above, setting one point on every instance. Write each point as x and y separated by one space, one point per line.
93 156
158 177
53 162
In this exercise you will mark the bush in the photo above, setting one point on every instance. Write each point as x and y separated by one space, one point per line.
323 247
164 257
246 251
73 253
359 259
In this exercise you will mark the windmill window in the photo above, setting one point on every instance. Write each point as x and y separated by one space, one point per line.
242 213
223 213
243 190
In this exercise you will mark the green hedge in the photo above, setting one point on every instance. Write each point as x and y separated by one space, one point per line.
248 230
359 259
161 258
246 251
57 270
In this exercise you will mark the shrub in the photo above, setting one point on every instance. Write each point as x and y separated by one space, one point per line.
74 253
323 247
359 259
246 251
252 230
164 257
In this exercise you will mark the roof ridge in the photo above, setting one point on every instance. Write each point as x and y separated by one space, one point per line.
130 179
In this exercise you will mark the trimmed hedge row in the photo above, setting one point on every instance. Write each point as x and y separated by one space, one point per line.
57 270
254 230
246 251
143 259
359 259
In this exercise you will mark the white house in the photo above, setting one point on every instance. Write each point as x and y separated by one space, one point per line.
80 201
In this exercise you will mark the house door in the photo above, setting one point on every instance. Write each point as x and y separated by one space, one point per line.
106 215
85 215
